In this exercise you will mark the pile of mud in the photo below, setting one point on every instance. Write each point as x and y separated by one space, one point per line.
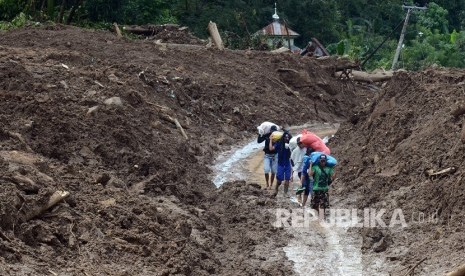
84 112
385 153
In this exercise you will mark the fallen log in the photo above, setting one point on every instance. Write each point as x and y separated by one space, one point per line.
151 30
367 77
174 45
140 30
433 175
280 50
459 272
54 199
213 30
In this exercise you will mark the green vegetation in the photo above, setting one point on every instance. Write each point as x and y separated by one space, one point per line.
347 27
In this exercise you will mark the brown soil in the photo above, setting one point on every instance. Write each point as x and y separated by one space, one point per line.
384 152
142 201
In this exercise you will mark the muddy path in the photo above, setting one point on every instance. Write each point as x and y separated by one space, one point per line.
316 248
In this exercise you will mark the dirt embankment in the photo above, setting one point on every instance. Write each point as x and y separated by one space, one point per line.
141 200
385 151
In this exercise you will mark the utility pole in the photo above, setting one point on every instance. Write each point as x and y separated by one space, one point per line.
402 34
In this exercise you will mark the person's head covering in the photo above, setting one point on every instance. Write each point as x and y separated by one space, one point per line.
273 128
286 136
323 157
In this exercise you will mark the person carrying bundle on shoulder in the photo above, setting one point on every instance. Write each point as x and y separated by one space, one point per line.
284 161
269 160
323 176
297 157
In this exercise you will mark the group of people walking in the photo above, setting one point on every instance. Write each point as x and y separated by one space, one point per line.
280 162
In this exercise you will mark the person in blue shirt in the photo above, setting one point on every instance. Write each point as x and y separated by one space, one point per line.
284 162
269 160
306 179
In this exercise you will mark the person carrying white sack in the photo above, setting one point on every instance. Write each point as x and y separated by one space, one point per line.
270 162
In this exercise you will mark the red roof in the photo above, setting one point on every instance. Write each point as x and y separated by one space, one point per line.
277 29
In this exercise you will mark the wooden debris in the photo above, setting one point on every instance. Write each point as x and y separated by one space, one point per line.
289 91
174 45
431 173
23 183
366 77
412 269
99 84
287 70
280 50
54 199
175 121
117 30
4 237
163 108
459 272
178 125
213 30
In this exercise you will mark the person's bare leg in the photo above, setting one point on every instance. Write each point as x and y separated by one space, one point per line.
305 200
272 180
267 176
286 187
278 183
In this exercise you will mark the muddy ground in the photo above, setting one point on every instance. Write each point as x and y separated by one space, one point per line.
84 112
385 151
142 201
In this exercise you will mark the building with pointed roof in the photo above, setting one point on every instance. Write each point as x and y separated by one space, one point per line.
278 34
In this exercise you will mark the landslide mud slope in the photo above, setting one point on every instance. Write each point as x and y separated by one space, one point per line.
384 152
141 200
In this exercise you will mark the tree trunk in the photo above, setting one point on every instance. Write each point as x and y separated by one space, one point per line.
73 12
213 30
62 12
42 7
117 30
50 8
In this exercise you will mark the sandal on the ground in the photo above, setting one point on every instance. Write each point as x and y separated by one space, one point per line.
299 191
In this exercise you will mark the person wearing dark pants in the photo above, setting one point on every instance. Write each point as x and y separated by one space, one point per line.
322 178
306 179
